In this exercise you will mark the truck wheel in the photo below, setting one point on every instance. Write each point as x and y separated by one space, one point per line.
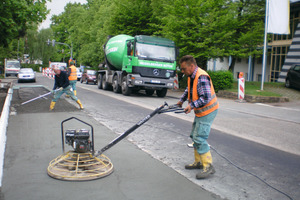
115 85
105 85
149 92
125 89
162 93
100 77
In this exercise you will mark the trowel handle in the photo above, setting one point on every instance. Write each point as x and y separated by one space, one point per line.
126 133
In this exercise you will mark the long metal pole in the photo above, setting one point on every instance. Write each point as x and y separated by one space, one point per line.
126 133
36 98
265 47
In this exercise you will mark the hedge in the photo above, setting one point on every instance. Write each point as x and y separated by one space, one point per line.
35 67
222 80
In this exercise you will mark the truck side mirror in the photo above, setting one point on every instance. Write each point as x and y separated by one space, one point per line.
177 52
129 48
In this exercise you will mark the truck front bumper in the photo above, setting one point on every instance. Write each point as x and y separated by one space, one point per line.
135 80
11 73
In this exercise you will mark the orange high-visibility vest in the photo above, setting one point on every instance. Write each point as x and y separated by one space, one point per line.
212 105
73 74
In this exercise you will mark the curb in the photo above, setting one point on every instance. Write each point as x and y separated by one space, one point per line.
3 125
252 98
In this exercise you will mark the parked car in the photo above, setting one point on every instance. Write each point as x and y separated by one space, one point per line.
79 74
89 76
293 77
26 74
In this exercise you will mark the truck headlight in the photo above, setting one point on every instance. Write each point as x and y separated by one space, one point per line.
138 82
170 84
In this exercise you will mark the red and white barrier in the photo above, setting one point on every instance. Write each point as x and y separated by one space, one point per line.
176 83
241 90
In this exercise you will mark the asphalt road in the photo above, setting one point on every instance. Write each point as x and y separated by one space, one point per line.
165 137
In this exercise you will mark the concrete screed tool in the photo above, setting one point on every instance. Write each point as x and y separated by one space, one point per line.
41 96
84 163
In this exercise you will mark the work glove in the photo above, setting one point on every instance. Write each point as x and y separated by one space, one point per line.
60 89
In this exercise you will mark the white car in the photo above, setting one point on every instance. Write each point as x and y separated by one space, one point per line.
79 74
26 74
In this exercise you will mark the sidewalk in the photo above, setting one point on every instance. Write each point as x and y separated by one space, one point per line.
34 139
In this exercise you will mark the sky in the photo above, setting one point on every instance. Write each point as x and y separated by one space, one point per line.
56 7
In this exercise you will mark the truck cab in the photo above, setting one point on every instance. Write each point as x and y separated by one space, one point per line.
151 64
12 67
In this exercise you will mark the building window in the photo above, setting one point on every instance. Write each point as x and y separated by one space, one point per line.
258 78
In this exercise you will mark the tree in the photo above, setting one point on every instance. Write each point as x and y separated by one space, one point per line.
16 16
249 35
211 29
132 17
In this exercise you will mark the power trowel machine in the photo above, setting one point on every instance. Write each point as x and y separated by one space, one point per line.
83 162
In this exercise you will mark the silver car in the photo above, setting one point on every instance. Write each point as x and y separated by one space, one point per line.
26 74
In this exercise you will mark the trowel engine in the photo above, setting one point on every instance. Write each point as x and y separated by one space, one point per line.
79 140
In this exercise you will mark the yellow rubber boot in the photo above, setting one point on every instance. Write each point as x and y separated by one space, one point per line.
79 103
197 163
75 92
52 104
208 168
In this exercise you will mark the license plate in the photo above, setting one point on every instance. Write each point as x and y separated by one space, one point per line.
155 81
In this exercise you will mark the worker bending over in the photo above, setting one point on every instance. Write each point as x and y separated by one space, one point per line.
202 99
62 85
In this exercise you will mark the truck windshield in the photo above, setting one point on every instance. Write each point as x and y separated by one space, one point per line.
91 72
13 65
154 52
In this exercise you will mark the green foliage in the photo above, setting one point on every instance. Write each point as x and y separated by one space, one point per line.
16 16
37 46
182 80
201 28
33 66
215 28
221 79
131 17
253 88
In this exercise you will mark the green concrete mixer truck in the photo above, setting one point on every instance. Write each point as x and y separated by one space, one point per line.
138 63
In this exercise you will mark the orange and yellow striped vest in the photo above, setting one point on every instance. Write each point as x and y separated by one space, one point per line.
212 105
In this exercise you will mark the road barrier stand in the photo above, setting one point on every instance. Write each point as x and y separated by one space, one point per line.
241 87
176 83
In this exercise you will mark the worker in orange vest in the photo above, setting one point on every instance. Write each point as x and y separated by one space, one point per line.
73 76
202 99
